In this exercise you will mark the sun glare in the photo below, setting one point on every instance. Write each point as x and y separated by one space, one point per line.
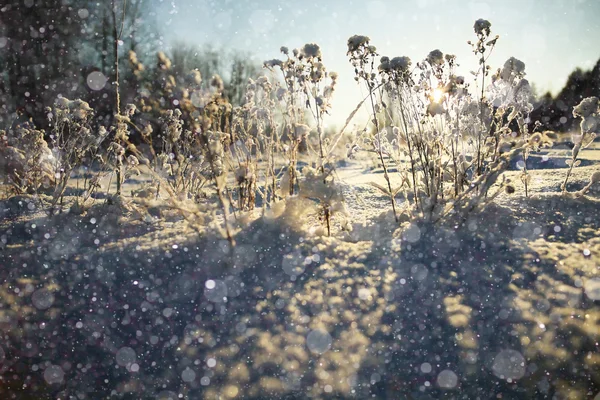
437 95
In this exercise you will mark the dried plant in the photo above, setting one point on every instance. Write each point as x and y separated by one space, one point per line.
71 141
362 57
441 138
589 112
308 89
26 159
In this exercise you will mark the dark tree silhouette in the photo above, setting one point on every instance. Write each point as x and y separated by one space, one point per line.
556 113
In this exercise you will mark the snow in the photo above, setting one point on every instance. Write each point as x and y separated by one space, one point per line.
502 304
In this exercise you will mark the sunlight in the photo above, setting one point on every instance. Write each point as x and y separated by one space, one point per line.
210 213
437 95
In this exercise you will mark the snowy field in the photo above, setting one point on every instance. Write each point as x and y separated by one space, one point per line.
131 301
413 216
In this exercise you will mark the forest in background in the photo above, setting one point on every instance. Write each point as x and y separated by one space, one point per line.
54 47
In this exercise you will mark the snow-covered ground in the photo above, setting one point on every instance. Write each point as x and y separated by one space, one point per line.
134 301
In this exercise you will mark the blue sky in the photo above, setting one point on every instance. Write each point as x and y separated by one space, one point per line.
552 37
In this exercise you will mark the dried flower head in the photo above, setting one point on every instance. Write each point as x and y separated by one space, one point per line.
400 64
586 107
311 50
273 63
512 68
357 41
384 64
435 58
482 27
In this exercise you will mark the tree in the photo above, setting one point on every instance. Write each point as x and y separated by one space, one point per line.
557 113
234 68
39 55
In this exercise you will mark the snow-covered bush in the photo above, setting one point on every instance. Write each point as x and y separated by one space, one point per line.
448 143
26 160
362 57
308 89
71 139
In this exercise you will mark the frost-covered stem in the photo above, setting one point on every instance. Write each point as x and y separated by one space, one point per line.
327 219
423 157
454 155
481 105
526 180
219 191
576 150
116 39
564 185
292 168
408 142
269 167
320 134
60 190
380 152
294 149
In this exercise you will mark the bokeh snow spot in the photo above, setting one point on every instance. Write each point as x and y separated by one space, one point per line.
592 288
447 379
419 272
42 299
412 233
319 341
293 264
96 80
188 375
54 374
509 365
125 356
426 368
216 291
